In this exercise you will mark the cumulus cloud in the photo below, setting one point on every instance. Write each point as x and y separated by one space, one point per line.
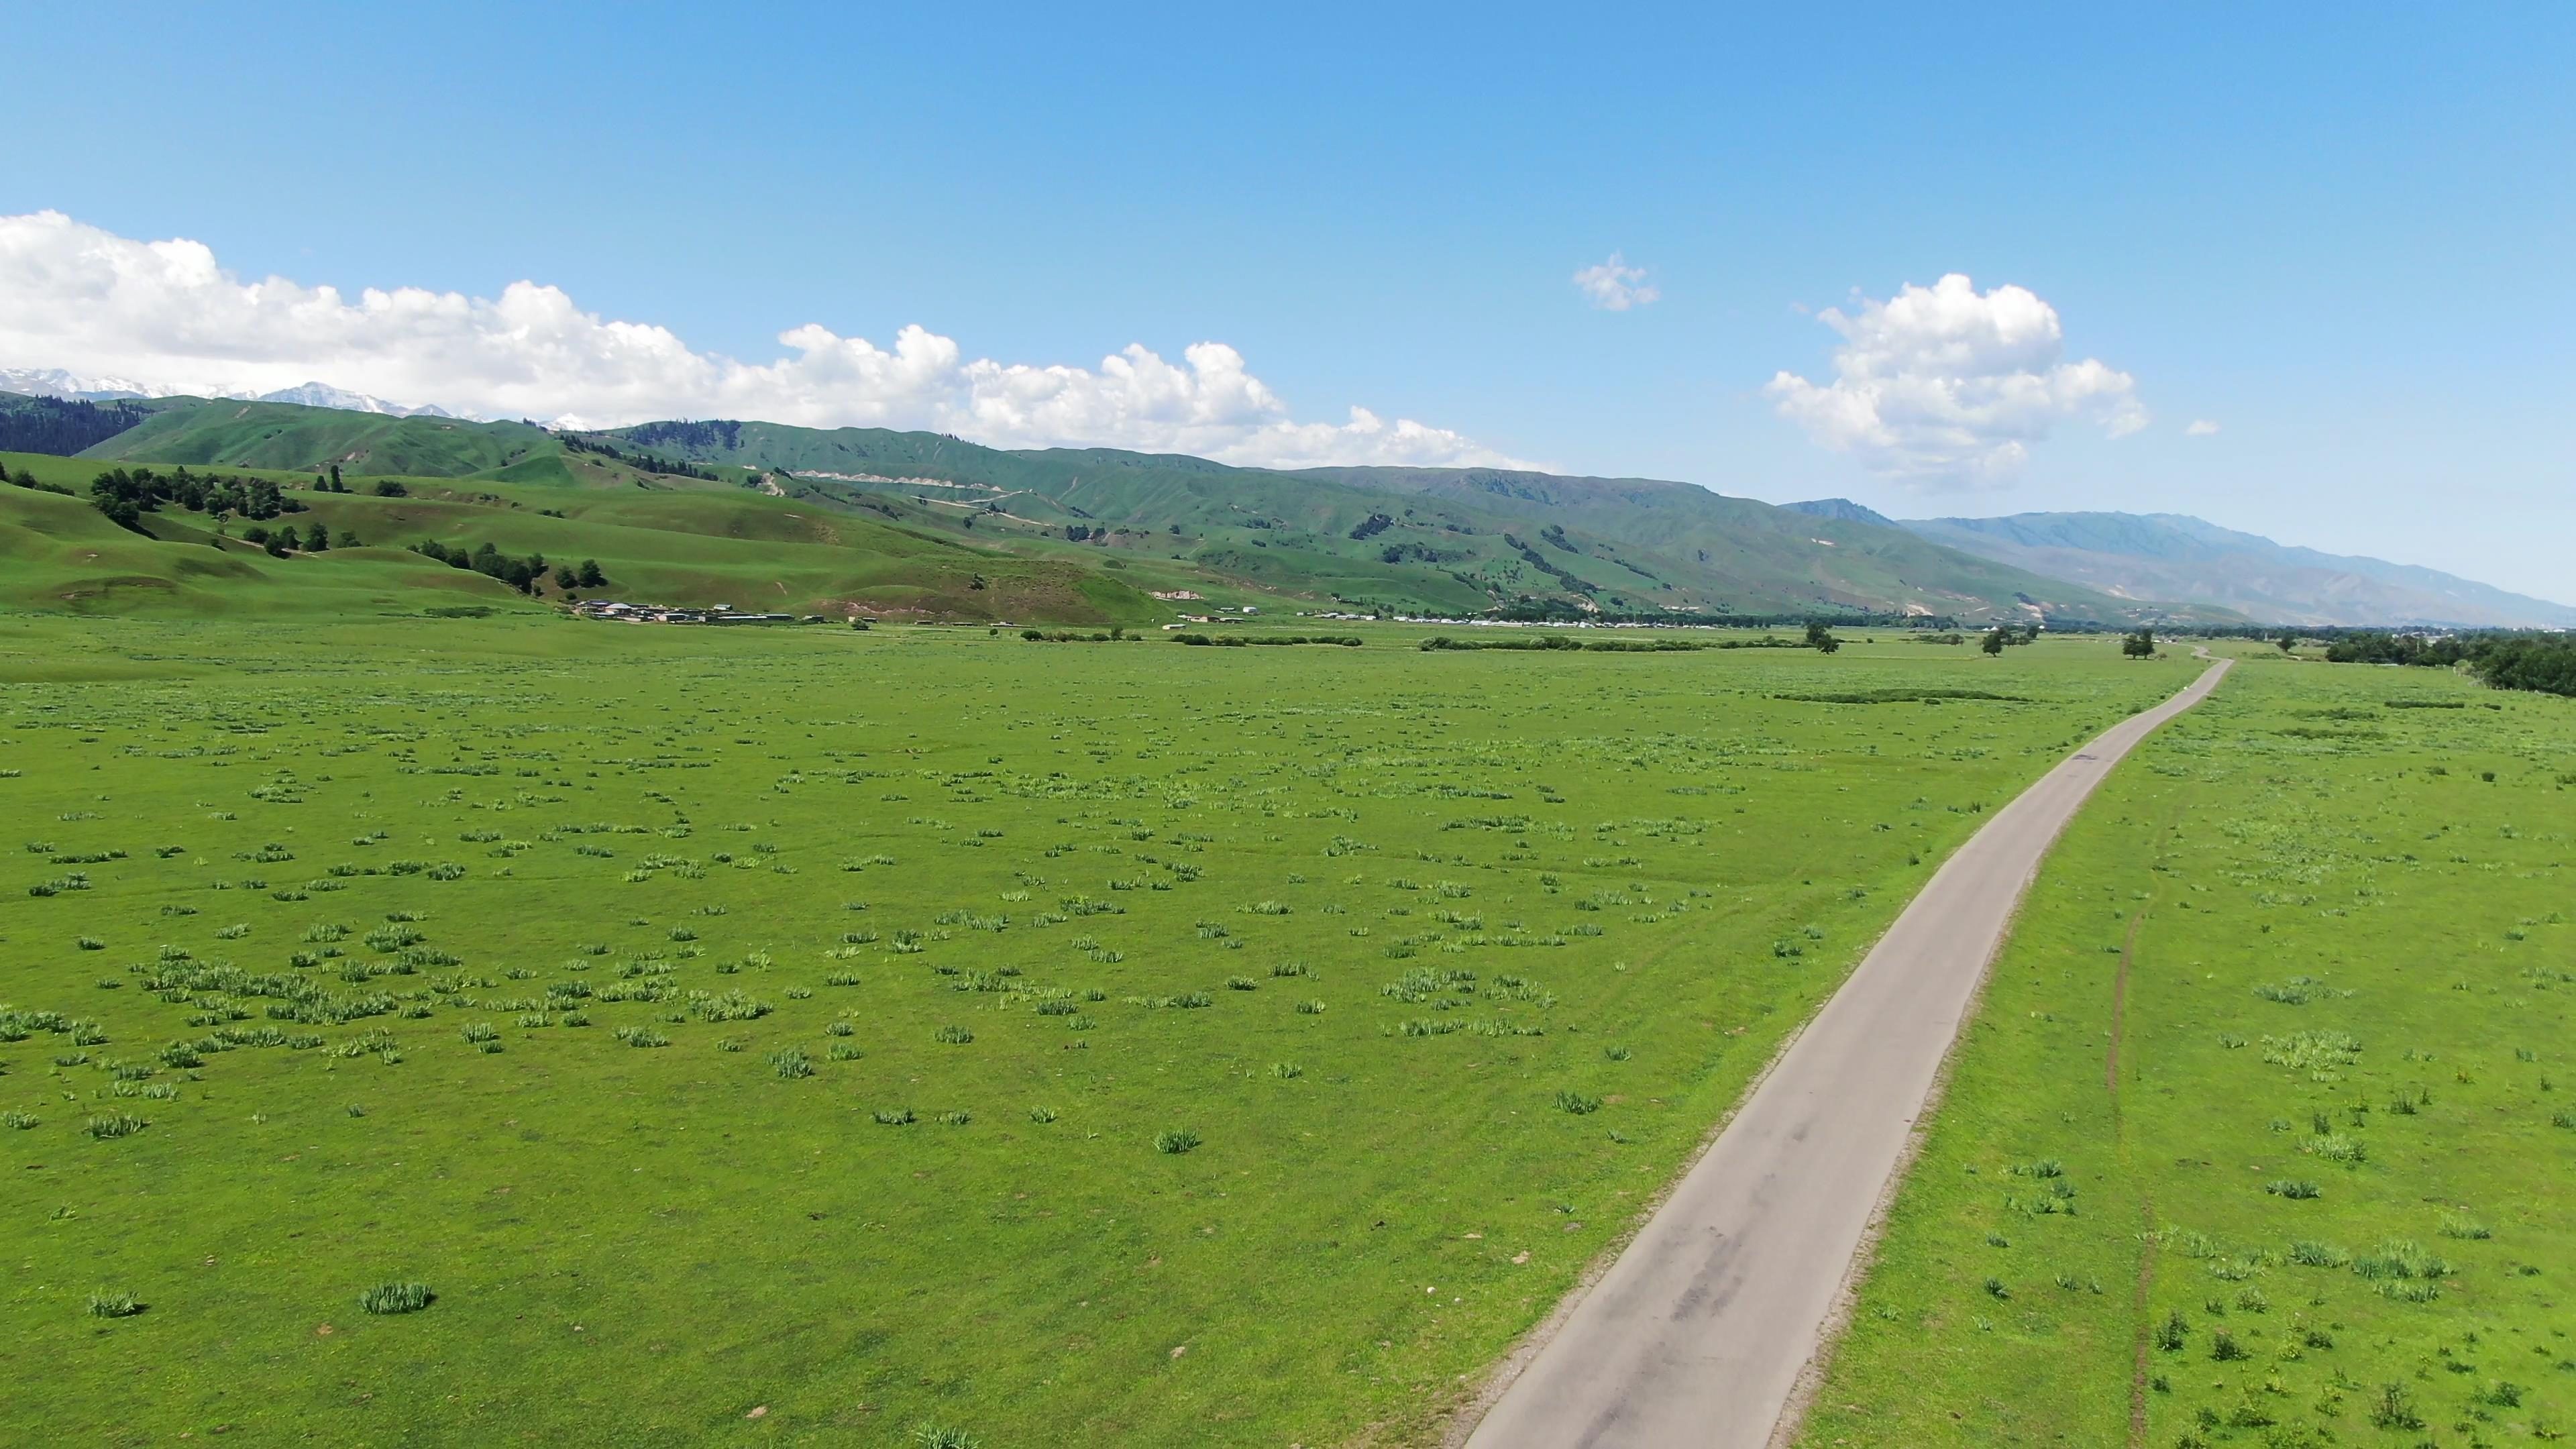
1615 286
1947 386
2200 428
73 296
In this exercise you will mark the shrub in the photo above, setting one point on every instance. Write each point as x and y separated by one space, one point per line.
2225 1349
2395 1408
386 1299
2171 1333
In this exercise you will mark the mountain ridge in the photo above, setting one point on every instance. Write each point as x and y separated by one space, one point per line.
2172 555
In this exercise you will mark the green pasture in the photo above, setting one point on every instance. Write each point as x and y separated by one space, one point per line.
821 1036
2320 1194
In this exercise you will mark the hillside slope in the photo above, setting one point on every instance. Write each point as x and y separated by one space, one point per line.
292 437
1457 540
2172 556
718 545
1432 540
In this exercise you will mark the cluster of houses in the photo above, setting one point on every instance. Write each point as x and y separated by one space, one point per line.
669 614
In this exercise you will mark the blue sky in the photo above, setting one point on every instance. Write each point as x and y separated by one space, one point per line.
2341 235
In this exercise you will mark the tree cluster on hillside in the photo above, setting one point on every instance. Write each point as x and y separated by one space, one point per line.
2542 662
642 462
705 437
523 574
125 495
53 425
25 479
2141 645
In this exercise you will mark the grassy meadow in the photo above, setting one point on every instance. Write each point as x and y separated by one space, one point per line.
2266 1131
431 1030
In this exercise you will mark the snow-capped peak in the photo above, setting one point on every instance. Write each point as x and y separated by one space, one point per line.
324 395
72 387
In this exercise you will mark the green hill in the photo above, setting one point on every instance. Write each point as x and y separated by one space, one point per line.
1447 539
288 437
729 545
1429 540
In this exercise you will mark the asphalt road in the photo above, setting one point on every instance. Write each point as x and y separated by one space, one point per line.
1697 1334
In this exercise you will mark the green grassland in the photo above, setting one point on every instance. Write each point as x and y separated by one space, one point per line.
2322 1196
1055 1042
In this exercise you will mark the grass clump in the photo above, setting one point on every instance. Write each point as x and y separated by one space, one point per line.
1176 1142
104 1304
388 1299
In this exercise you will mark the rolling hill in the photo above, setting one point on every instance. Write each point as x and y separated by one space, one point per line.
1426 540
1453 540
754 551
2172 556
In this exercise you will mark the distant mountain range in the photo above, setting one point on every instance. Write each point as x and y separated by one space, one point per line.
54 382
2171 556
1448 541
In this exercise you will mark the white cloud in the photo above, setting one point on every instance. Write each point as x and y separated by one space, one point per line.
1615 286
2200 428
1944 385
74 296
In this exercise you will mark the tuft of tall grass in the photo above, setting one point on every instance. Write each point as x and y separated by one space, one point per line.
1577 1103
387 1299
104 1304
791 1064
893 1116
114 1124
1042 1115
953 1035
1176 1142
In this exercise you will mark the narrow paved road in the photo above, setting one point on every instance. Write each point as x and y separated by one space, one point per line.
1697 1334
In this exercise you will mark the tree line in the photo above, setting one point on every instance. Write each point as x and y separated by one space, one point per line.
2542 662
53 425
523 574
643 462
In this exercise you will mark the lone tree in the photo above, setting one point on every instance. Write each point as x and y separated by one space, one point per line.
591 577
2141 645
1820 637
1995 640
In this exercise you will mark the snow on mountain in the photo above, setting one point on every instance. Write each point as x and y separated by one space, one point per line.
72 387
324 395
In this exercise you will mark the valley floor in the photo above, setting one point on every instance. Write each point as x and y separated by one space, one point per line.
833 1035
2264 1131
